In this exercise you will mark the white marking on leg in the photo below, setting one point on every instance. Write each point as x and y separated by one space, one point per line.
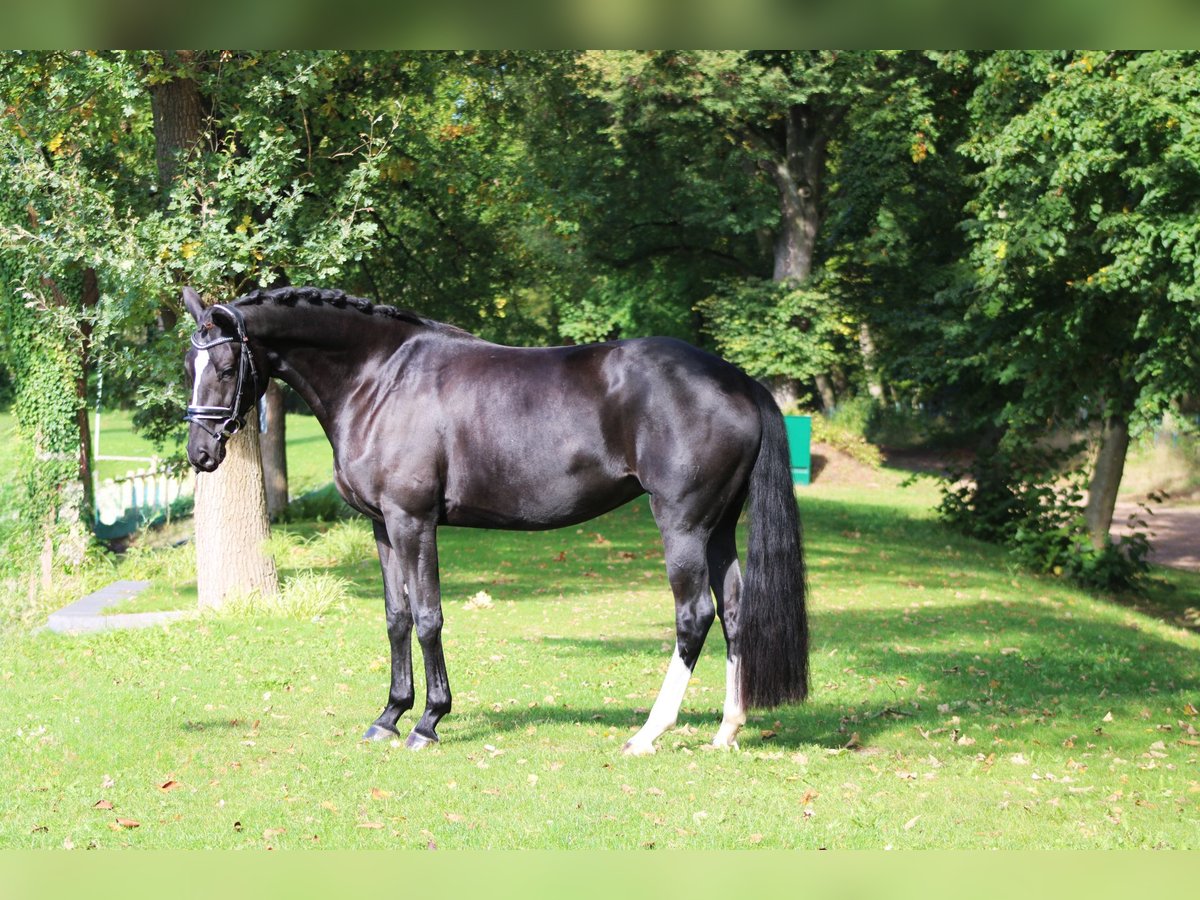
734 715
201 365
666 707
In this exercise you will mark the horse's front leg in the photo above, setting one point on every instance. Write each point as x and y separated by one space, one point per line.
414 541
399 629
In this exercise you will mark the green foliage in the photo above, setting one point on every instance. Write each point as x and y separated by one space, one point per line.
1084 230
1032 502
777 328
834 431
619 305
324 504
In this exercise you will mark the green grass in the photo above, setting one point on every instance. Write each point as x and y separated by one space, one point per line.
957 702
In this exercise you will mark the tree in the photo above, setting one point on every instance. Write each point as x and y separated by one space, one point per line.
732 151
231 524
84 187
67 131
1085 237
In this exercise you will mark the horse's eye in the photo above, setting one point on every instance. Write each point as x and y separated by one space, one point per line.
227 374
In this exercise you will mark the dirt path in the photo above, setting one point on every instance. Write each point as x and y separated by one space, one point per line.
1175 533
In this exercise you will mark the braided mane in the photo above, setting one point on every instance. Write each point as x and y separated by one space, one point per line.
292 296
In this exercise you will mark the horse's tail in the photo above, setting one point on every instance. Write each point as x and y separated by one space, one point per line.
773 625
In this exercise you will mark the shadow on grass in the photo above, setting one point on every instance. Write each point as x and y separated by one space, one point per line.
1021 667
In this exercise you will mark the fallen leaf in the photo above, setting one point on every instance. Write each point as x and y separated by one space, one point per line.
1108 717
767 734
756 838
380 794
375 826
453 817
169 785
102 804
1190 710
481 600
809 796
910 823
128 823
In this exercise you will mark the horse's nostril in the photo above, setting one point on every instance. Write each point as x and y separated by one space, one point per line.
202 461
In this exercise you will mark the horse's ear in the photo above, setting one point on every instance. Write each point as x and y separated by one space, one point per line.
191 300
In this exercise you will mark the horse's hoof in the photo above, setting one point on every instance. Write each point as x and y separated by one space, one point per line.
416 741
379 732
638 749
721 744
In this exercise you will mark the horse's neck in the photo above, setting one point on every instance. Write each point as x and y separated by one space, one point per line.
323 353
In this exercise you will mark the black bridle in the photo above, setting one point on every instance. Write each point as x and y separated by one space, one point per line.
229 419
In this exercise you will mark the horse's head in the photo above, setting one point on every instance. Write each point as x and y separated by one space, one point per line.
224 378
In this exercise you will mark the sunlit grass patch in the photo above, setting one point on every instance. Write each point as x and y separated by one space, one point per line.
305 596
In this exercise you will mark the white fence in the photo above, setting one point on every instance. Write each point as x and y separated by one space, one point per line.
125 503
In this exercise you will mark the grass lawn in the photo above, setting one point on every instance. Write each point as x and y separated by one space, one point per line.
957 702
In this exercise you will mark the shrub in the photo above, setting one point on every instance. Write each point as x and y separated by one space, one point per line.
833 433
322 505
1027 502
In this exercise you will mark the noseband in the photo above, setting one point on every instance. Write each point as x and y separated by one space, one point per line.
229 421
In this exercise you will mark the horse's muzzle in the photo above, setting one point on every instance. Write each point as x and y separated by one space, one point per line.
205 461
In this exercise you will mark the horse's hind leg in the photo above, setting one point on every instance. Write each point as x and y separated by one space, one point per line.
726 579
399 629
687 570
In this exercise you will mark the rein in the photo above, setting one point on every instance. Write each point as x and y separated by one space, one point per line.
230 421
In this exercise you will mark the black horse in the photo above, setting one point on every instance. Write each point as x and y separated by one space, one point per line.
433 426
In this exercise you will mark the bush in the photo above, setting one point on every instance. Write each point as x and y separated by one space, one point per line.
322 505
833 433
1026 502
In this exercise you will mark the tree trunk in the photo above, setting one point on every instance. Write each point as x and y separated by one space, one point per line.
798 179
825 392
232 527
1106 478
230 507
866 344
178 111
786 391
89 299
274 451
